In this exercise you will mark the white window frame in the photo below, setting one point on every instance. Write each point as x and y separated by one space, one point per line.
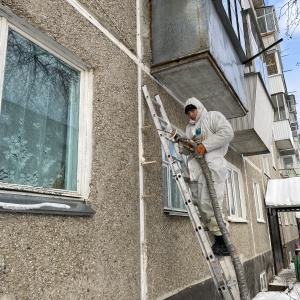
258 201
85 106
266 166
273 158
263 281
263 17
236 217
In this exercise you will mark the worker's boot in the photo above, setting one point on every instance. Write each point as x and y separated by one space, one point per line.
219 248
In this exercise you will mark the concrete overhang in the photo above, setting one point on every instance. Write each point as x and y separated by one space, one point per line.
199 76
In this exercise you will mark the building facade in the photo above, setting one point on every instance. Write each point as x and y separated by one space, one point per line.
89 208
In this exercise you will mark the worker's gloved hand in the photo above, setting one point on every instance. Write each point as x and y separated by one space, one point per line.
201 149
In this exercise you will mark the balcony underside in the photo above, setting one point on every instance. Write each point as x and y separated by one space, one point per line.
248 142
285 147
283 137
198 76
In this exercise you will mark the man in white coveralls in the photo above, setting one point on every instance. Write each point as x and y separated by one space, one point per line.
212 133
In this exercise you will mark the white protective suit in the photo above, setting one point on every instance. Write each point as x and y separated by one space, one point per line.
216 134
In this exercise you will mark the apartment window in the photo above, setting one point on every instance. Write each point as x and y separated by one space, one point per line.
266 166
266 19
172 198
273 157
235 194
233 10
258 202
288 162
263 281
281 112
272 64
42 133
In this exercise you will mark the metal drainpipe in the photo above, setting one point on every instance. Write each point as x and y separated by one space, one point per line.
284 246
143 240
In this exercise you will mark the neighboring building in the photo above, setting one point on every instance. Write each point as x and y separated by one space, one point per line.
89 207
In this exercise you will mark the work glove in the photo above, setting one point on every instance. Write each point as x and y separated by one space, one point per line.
201 149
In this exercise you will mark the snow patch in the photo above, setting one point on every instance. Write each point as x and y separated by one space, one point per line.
14 206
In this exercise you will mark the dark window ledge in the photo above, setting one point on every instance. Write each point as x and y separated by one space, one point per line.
30 203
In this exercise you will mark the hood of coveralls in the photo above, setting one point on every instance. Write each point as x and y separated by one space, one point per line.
201 109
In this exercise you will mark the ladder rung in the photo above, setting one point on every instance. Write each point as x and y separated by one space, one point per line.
155 102
149 162
148 196
162 120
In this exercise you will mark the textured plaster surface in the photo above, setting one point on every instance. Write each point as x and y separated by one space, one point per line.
260 228
54 257
119 16
174 255
241 229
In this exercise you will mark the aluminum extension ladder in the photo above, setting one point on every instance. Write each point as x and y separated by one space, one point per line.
179 168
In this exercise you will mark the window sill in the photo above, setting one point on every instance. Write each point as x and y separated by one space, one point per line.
178 213
42 204
237 220
261 221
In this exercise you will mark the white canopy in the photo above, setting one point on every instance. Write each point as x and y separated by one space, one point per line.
283 193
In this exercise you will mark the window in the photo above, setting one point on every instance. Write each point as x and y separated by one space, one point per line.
233 10
273 157
271 64
258 202
235 194
281 110
172 198
288 162
266 19
263 281
42 133
266 167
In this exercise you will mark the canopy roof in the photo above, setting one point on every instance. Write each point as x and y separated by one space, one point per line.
283 194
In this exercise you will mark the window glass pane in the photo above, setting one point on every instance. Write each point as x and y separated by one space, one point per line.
176 199
39 117
165 186
237 194
225 5
271 64
233 17
262 24
260 12
230 196
270 22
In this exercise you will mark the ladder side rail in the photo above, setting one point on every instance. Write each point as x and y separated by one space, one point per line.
169 128
203 239
213 264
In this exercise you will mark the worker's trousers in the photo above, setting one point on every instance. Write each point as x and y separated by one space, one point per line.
201 195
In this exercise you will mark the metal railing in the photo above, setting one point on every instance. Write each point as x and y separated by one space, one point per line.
289 172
